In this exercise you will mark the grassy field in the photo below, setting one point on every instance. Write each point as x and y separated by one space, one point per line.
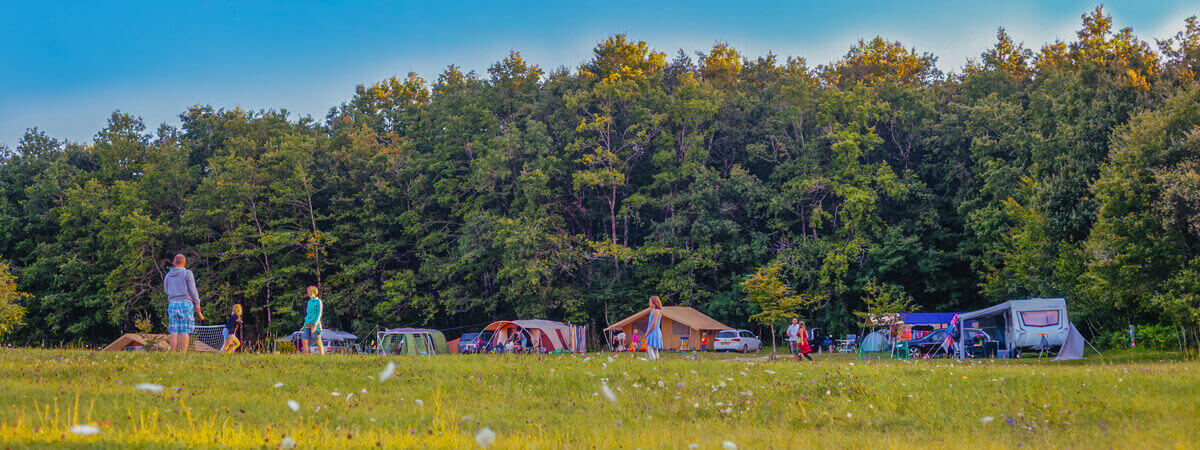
559 401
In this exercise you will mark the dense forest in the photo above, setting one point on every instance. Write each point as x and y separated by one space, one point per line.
573 194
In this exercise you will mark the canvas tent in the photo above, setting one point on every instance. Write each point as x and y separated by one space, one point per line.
411 341
678 322
546 334
134 341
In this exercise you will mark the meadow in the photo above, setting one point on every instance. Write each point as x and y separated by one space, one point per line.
56 398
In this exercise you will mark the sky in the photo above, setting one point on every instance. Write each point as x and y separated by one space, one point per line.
66 66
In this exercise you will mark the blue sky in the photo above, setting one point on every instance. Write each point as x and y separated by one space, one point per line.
64 67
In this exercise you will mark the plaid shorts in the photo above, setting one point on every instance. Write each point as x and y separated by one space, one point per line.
181 316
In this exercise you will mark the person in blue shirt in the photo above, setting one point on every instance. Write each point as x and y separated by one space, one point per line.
312 322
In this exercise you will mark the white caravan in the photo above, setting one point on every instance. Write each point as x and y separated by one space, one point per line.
1021 324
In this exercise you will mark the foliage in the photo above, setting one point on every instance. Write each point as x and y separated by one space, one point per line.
12 315
1067 169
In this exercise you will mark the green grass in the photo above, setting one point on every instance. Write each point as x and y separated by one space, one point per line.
1127 400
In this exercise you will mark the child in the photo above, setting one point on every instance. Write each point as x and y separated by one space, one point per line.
634 343
232 330
312 322
704 341
654 342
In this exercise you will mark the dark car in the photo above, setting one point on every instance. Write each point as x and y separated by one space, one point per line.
476 342
930 343
467 343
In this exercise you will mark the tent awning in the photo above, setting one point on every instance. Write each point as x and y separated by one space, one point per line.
926 318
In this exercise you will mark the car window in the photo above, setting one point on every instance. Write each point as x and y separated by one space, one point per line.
747 334
1039 318
937 335
726 334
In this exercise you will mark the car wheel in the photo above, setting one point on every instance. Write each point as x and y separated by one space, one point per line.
745 349
914 352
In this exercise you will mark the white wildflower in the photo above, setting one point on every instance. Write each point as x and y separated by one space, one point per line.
84 430
387 371
485 437
295 406
148 387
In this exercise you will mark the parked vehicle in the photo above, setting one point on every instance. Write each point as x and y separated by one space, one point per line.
467 343
478 342
736 340
930 343
1023 325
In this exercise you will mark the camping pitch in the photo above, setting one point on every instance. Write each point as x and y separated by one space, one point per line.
681 326
547 335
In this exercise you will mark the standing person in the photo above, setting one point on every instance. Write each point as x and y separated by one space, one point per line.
183 304
635 344
704 341
802 347
793 341
233 330
312 322
654 341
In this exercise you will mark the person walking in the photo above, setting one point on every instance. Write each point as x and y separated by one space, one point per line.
654 342
798 338
312 322
183 304
233 330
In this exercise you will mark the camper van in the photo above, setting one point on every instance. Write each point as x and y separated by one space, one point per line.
1021 324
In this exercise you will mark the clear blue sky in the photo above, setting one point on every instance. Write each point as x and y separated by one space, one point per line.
65 66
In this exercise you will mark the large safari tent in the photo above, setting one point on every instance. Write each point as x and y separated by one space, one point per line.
547 334
679 323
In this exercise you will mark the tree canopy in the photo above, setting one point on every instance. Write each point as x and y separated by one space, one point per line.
1070 170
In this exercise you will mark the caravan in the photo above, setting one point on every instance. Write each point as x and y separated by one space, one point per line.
1023 324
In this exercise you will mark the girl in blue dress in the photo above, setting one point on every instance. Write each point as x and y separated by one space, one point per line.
654 341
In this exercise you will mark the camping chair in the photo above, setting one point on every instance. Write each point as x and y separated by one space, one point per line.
847 345
683 344
1044 346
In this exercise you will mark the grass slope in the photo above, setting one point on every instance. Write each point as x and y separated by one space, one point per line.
556 401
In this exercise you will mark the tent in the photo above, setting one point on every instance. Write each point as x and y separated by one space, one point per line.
549 335
134 341
678 322
411 341
874 342
1022 324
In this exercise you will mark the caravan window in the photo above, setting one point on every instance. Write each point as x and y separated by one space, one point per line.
1039 318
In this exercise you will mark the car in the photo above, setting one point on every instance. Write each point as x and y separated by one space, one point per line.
736 341
467 343
476 342
930 343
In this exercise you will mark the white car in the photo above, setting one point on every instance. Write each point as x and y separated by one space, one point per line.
736 341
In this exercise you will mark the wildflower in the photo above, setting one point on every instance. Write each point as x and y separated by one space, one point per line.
987 419
287 442
148 387
387 371
84 430
295 406
485 437
848 415
420 403
608 393
278 385
729 445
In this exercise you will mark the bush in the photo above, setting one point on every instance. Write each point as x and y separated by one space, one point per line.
1158 337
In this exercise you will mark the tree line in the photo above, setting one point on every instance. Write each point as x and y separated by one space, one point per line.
1071 170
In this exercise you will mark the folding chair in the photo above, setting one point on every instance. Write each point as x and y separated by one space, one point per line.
1044 346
